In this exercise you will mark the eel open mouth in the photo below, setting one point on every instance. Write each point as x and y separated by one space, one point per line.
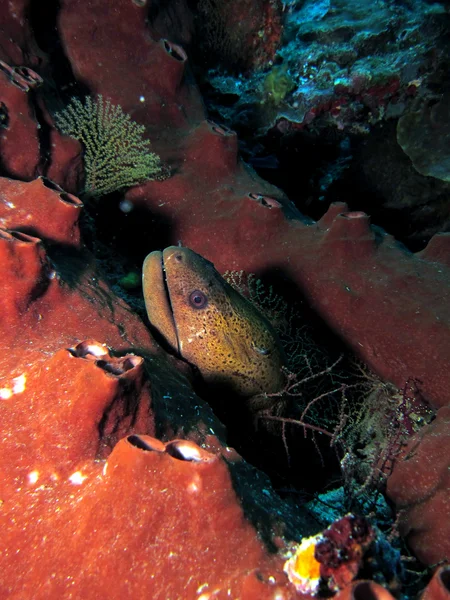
157 299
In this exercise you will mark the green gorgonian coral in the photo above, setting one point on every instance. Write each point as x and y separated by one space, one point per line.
116 155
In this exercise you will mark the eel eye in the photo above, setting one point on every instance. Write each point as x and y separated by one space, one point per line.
197 299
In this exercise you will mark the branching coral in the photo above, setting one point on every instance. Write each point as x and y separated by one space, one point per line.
116 155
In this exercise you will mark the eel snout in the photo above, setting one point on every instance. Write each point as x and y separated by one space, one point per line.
157 298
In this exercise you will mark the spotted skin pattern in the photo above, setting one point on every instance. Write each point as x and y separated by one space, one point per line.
210 324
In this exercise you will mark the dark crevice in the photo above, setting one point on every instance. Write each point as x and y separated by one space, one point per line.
44 137
123 408
60 82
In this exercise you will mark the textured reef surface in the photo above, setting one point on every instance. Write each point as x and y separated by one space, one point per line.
131 466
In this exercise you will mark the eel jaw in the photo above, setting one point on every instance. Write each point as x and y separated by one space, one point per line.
157 299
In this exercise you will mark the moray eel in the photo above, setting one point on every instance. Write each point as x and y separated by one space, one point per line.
209 324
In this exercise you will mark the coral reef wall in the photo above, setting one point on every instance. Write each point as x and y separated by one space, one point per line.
117 479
